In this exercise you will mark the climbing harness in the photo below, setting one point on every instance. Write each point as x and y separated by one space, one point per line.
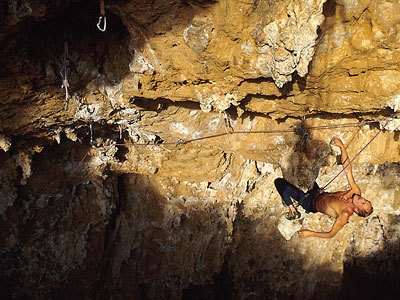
102 17
316 190
64 74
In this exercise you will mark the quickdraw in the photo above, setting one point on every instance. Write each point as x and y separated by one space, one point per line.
120 131
228 127
64 74
91 128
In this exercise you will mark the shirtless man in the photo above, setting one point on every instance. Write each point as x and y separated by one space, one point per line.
340 205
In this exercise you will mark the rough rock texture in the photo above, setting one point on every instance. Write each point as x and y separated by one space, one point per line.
154 178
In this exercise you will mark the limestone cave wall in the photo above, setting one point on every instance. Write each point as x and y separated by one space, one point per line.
138 162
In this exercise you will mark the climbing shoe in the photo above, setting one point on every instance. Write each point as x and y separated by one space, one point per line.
292 216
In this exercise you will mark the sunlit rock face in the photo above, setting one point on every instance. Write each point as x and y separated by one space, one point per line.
154 178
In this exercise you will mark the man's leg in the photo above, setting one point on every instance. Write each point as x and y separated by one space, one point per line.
288 191
309 198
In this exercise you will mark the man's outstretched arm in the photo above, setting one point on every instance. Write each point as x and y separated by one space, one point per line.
346 165
340 221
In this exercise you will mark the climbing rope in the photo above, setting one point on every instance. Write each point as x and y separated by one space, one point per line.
270 131
102 17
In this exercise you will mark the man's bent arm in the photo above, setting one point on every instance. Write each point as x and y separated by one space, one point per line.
340 221
346 165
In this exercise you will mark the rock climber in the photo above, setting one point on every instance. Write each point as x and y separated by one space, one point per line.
339 205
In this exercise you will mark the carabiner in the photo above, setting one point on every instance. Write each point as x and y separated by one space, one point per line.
104 23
